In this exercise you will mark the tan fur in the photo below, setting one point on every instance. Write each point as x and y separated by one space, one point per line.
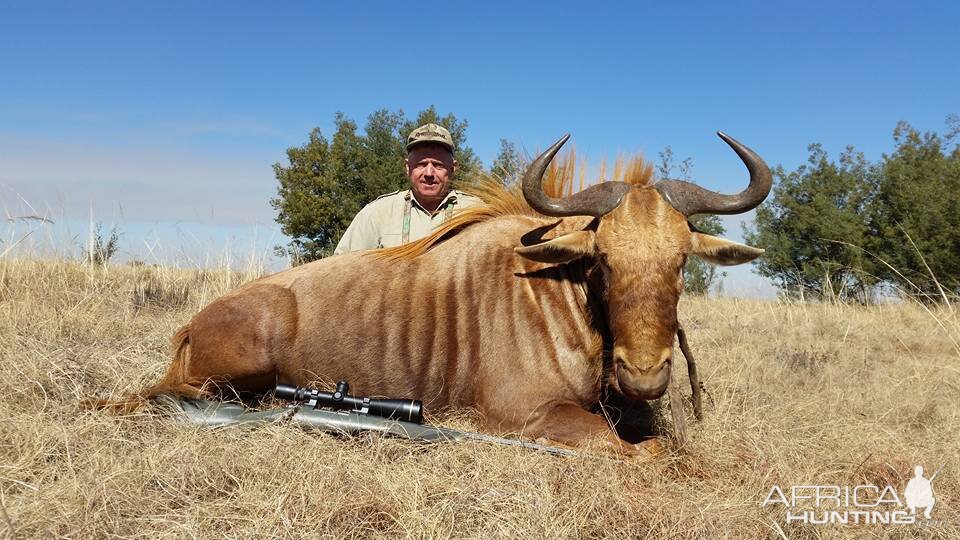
646 242
562 249
722 251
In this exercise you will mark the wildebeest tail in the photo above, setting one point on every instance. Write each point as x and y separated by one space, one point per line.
176 381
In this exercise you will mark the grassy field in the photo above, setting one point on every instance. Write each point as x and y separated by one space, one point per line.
797 394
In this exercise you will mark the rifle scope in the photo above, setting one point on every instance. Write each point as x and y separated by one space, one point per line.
407 410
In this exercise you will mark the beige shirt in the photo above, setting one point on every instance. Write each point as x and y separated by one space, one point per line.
380 223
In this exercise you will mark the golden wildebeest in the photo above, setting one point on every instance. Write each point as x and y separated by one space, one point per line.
525 318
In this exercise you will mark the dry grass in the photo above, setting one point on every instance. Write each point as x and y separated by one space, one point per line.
797 394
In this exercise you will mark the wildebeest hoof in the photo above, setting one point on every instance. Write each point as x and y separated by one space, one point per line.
649 449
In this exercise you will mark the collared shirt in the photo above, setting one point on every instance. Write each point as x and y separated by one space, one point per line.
397 218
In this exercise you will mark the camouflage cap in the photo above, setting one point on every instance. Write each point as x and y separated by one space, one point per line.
430 133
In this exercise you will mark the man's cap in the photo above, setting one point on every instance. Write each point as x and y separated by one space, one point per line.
430 133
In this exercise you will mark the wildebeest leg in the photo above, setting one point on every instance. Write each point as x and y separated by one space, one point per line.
232 347
238 340
570 424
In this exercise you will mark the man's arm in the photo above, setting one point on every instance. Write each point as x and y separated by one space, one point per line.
360 235
466 200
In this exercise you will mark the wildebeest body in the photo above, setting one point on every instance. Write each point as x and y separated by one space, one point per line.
467 324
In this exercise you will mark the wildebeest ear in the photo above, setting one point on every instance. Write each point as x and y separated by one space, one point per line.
561 249
721 251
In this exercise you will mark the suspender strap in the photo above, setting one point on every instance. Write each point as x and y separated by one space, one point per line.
408 206
448 210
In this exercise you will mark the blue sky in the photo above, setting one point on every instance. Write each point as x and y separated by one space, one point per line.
165 118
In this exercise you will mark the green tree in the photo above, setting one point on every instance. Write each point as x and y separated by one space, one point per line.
698 275
916 212
815 226
384 169
326 182
320 191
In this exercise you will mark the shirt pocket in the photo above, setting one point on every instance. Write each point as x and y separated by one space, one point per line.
389 240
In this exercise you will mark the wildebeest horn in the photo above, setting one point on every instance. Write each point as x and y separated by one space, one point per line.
690 199
594 201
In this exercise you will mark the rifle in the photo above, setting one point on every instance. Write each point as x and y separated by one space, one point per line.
311 409
937 473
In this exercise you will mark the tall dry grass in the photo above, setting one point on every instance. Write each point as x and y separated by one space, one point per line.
796 394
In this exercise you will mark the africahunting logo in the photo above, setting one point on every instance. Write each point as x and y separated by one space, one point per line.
865 504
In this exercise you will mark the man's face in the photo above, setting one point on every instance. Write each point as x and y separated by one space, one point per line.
430 168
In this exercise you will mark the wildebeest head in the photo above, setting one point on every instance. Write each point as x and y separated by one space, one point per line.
640 240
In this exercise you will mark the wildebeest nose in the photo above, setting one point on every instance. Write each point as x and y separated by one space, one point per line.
643 383
665 359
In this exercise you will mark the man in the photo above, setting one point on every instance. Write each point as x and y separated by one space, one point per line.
919 492
402 216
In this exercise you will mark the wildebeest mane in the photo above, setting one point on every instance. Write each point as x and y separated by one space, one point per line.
500 200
